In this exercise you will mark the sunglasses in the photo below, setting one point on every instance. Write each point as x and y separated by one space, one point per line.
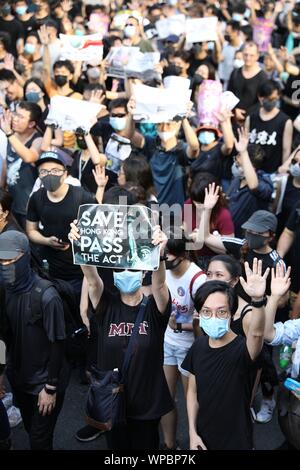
119 115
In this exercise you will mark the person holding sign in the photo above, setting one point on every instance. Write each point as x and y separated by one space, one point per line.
148 397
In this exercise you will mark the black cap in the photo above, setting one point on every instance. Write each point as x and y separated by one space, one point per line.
261 221
12 244
51 156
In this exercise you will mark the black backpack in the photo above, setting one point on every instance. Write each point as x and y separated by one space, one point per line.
76 331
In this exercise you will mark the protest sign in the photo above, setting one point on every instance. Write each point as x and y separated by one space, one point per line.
262 32
173 81
158 104
87 48
229 100
118 58
98 23
69 114
116 236
201 29
172 25
118 148
209 102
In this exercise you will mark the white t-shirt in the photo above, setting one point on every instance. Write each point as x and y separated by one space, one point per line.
182 303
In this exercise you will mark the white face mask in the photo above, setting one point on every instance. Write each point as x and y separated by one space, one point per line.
165 136
238 63
129 31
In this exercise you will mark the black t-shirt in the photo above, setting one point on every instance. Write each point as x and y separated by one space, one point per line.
224 379
20 177
28 25
290 199
269 260
195 63
209 161
293 224
148 395
29 351
246 88
15 30
269 135
55 218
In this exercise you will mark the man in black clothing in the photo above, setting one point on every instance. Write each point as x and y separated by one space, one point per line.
36 368
270 128
55 206
13 27
222 365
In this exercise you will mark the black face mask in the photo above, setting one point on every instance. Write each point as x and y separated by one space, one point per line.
227 37
6 10
172 264
255 241
51 182
60 80
17 277
81 143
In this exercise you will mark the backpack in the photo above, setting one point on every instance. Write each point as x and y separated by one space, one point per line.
76 331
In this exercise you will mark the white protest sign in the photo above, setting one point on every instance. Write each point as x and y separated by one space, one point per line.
201 29
142 65
172 25
158 104
229 100
118 58
69 114
116 236
118 148
82 48
172 81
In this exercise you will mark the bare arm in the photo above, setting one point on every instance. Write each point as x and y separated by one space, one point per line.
287 140
159 286
249 170
285 242
48 140
255 287
192 412
191 139
44 38
28 155
97 157
228 136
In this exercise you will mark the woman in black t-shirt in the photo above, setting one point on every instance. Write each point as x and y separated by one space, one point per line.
222 365
147 394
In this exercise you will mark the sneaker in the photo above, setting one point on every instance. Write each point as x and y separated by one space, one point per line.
14 416
265 413
88 433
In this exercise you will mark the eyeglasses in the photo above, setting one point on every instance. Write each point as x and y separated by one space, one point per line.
119 115
208 313
53 171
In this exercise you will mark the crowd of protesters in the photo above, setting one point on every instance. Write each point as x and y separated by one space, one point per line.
227 289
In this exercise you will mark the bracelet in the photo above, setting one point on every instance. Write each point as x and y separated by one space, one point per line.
259 303
163 258
178 328
50 391
10 134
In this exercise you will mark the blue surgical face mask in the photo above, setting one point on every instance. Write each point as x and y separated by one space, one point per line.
128 282
129 31
210 45
32 96
79 32
117 123
29 48
295 170
206 137
237 171
21 10
214 327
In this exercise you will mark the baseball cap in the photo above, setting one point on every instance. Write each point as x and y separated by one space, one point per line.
172 38
209 127
12 243
261 221
51 156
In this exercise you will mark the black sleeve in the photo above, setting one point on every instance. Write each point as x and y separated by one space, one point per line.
55 362
53 315
88 198
294 219
188 362
32 209
233 246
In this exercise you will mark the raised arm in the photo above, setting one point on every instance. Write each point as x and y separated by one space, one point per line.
224 118
285 242
159 286
249 170
280 284
191 139
255 287
94 281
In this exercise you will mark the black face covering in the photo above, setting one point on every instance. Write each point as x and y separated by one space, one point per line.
60 80
51 182
81 143
172 264
255 241
17 277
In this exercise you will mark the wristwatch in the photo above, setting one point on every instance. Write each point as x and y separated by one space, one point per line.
50 391
10 134
178 328
259 303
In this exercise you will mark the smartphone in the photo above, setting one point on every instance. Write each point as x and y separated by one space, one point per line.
62 243
293 385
